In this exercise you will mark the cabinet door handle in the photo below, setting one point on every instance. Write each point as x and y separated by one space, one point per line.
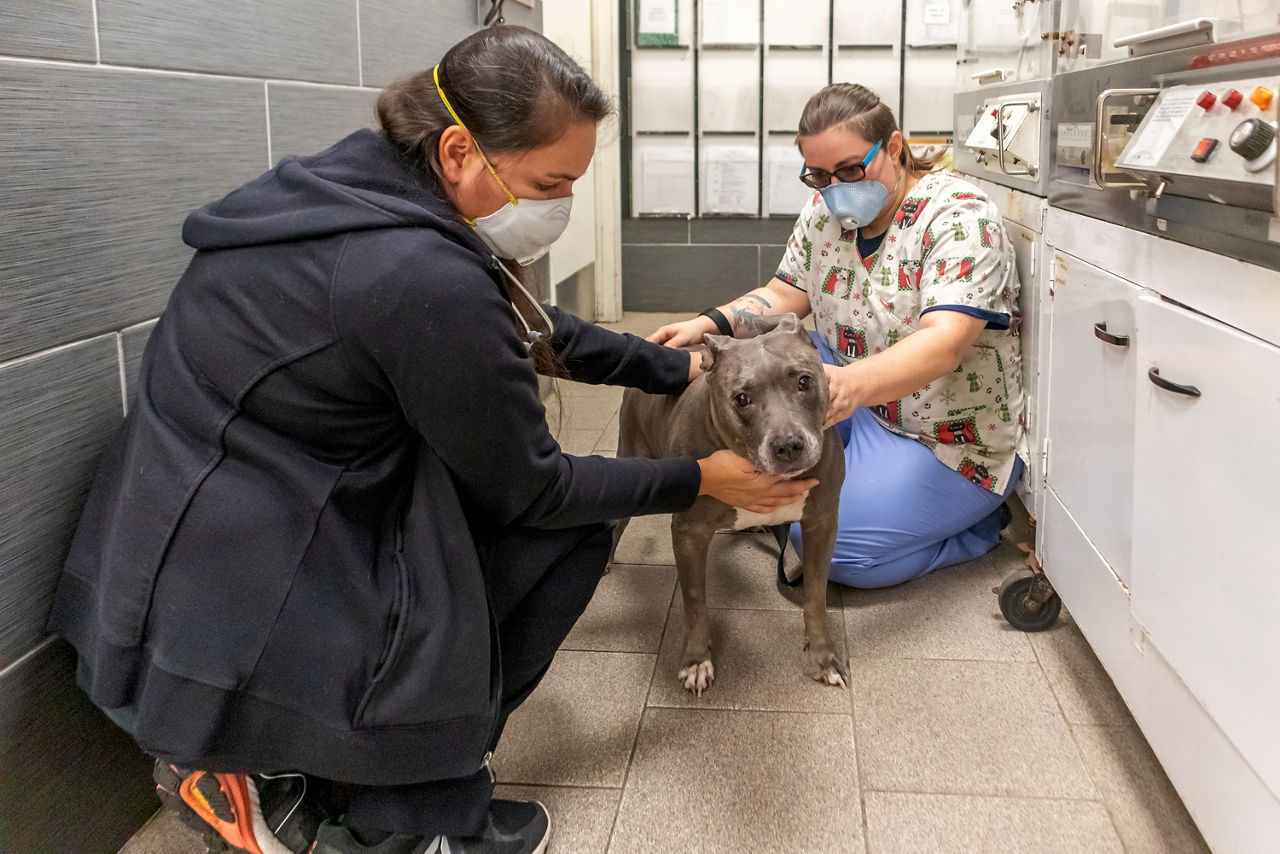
1100 332
1188 390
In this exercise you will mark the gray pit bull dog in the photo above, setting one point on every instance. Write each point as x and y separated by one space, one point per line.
764 398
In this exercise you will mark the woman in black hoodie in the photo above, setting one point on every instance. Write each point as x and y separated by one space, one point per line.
335 544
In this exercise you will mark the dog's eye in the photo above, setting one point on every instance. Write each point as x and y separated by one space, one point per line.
806 382
741 400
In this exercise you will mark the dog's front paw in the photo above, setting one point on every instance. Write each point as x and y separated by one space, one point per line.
697 677
823 665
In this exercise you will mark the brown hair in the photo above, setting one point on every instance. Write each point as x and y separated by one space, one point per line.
514 90
861 111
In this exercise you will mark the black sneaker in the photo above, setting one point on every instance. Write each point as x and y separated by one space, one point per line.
515 827
1006 515
255 813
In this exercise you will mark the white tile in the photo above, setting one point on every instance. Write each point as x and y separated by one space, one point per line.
963 727
1083 688
759 664
647 540
951 613
578 726
1146 811
906 823
628 611
720 781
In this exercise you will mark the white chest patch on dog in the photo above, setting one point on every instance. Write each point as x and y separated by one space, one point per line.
790 513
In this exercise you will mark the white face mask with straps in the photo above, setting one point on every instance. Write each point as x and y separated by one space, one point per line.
522 229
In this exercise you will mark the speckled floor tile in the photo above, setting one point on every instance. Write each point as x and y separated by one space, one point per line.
722 781
1145 808
608 440
578 726
579 443
963 727
759 664
628 611
164 833
742 572
647 540
581 819
905 823
949 614
647 322
1083 688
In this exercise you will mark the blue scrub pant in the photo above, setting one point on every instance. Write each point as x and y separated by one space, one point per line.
903 513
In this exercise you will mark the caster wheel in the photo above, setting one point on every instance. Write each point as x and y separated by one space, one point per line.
1028 602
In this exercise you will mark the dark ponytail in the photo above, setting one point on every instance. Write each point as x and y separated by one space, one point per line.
862 111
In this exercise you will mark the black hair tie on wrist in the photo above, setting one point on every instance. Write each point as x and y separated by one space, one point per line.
718 318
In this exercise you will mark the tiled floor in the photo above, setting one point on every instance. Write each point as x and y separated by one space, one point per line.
957 733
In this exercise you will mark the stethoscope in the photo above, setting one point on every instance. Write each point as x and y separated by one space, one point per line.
531 336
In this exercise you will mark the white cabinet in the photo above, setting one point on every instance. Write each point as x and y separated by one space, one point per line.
1206 582
1159 504
1091 388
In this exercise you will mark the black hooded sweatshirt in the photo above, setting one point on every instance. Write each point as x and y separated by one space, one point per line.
277 565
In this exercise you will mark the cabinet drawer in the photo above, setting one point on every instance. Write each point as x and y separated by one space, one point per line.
1090 430
1205 585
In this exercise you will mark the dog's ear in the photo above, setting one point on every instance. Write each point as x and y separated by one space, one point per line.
716 344
787 323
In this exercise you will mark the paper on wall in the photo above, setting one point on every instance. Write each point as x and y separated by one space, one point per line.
657 16
795 22
665 180
786 194
730 22
732 179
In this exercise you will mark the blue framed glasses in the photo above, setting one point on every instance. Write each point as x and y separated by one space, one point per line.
818 179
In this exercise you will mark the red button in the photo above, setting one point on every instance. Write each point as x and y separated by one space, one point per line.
1206 100
1232 98
1204 148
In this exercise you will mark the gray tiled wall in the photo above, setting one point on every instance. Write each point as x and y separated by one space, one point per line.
57 411
62 30
680 264
105 165
290 39
306 119
119 118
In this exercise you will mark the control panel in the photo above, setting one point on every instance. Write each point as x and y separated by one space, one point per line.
1209 141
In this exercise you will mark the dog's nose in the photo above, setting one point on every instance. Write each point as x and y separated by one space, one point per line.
787 448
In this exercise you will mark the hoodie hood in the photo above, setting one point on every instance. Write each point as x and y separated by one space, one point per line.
362 182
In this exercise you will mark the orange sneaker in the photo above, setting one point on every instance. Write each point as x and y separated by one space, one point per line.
229 809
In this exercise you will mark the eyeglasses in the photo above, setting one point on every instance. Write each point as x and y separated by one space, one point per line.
818 179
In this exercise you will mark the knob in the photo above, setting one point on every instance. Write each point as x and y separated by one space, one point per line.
1251 138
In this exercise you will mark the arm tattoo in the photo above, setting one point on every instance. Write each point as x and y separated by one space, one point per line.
744 320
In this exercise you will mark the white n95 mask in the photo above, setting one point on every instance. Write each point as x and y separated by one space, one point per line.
524 229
